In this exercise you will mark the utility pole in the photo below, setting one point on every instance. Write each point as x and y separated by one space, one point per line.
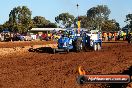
77 10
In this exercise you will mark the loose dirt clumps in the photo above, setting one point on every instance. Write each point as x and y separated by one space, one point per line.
24 69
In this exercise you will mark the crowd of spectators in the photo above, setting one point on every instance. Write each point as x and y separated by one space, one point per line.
55 35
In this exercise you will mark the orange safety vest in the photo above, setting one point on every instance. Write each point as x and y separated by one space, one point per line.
115 34
105 34
110 34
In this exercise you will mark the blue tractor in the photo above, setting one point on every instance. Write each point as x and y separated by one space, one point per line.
71 40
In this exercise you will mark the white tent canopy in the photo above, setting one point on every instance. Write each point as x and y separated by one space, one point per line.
46 29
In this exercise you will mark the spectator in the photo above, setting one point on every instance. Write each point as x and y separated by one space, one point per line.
11 37
115 36
2 37
105 36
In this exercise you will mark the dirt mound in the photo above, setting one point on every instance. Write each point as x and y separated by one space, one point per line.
22 68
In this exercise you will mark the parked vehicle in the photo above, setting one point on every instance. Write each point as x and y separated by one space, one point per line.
27 38
6 35
44 37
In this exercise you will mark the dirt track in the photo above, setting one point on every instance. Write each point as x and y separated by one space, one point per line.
20 68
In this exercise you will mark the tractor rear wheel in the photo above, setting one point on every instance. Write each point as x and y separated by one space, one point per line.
130 41
78 44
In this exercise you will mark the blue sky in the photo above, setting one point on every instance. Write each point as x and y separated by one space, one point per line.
51 8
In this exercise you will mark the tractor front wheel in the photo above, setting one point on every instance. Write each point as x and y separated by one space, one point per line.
67 50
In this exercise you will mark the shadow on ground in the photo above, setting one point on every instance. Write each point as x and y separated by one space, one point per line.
51 50
42 50
113 41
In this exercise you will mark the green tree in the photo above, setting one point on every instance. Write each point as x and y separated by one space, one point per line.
20 19
110 25
86 22
51 25
40 22
98 15
7 25
65 19
1 28
129 21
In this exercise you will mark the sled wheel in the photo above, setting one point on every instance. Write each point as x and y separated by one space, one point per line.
95 47
99 46
54 51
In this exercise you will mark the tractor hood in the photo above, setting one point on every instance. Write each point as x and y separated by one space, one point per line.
63 39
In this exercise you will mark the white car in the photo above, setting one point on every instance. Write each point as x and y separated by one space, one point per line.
28 38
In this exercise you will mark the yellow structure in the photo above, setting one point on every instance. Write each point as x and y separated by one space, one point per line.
79 26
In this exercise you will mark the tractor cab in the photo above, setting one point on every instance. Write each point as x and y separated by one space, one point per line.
70 40
95 39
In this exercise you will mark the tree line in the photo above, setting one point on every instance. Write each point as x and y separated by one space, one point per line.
96 17
20 21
